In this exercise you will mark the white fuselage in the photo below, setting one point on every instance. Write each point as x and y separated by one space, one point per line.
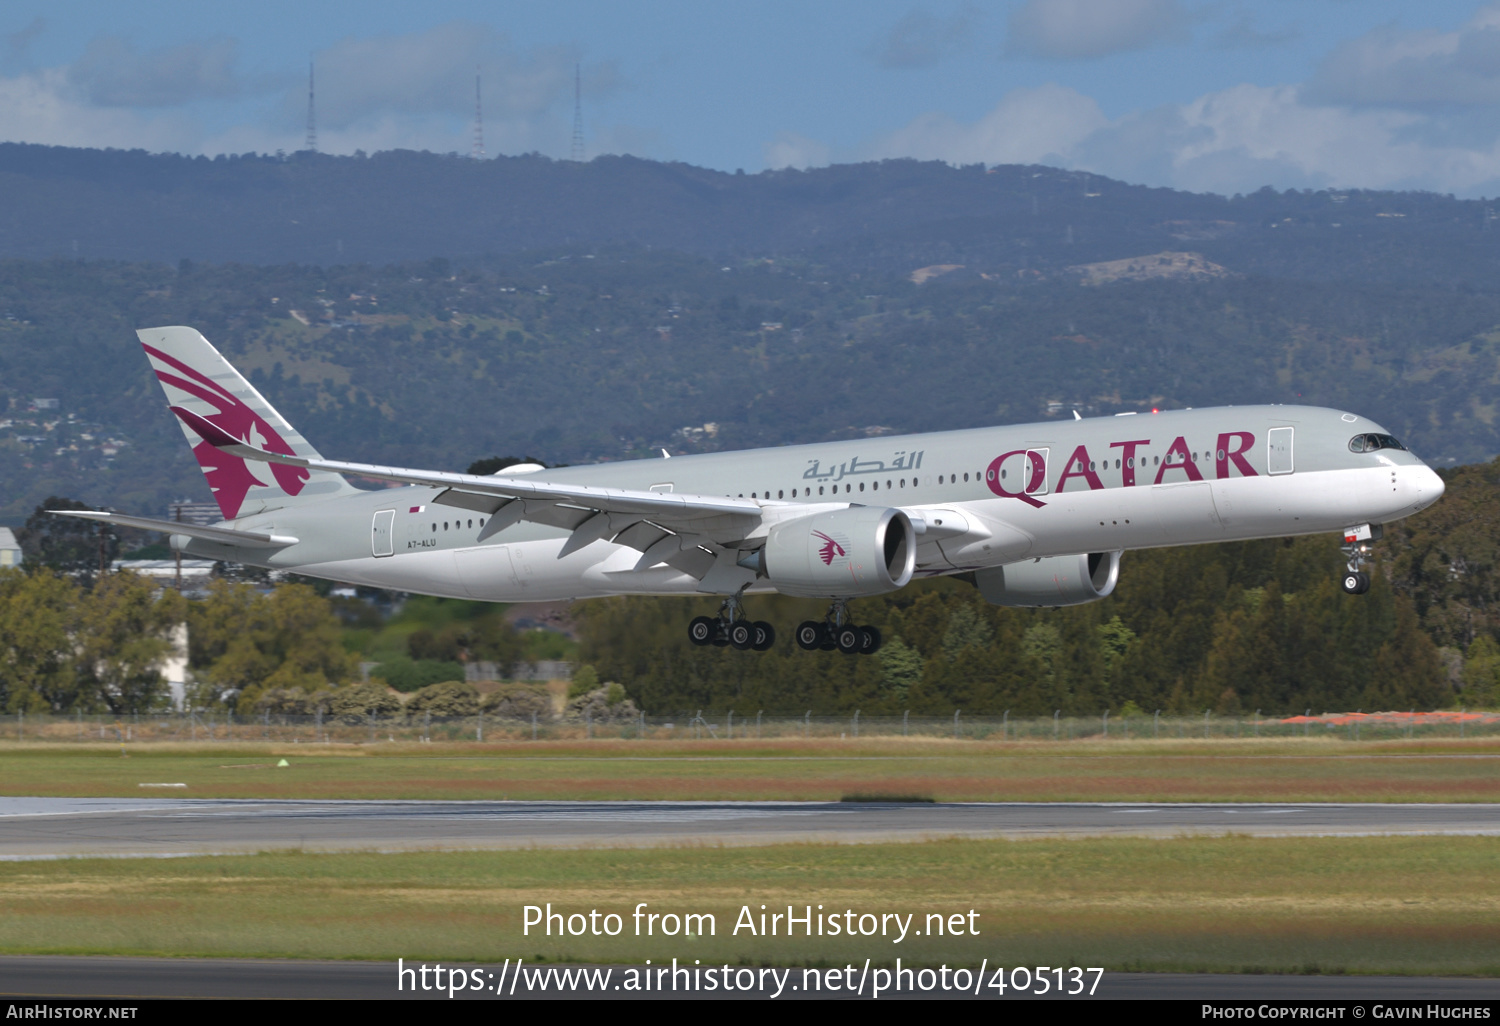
978 498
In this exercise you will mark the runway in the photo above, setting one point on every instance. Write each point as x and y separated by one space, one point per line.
32 828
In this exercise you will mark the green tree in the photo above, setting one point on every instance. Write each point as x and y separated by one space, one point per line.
585 679
966 627
124 635
38 625
901 669
355 703
449 698
1481 674
69 545
243 641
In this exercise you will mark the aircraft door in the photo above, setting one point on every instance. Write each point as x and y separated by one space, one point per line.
1279 450
1019 473
382 533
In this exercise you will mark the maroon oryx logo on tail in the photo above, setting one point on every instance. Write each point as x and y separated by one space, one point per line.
829 550
229 477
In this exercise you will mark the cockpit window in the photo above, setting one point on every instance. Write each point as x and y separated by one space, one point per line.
1372 443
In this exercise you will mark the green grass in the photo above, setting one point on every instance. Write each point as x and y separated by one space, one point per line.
1417 905
1318 769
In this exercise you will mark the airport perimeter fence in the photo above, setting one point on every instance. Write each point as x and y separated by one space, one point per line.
702 725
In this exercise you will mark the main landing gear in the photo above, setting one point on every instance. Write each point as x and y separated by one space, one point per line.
836 632
1358 542
731 628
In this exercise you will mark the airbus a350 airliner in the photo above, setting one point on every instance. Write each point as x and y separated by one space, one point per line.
1038 514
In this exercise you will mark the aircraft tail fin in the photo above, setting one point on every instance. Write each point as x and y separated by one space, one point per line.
196 377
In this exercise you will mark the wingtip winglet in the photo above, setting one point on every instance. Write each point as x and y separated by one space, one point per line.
206 429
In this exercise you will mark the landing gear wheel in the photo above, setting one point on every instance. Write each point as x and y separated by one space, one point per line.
810 635
849 639
702 629
742 634
872 640
1356 549
765 636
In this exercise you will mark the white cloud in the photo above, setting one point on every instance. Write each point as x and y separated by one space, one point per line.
792 150
1415 68
432 72
112 74
42 107
1232 140
20 42
922 39
393 92
1027 126
1081 29
1243 35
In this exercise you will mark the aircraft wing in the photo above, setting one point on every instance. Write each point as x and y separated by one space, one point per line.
678 529
223 535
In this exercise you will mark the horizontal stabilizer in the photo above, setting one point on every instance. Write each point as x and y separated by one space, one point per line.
222 535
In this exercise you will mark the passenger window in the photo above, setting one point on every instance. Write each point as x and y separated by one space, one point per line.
966 477
861 486
780 494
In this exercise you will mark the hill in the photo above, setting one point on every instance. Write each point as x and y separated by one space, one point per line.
615 354
890 217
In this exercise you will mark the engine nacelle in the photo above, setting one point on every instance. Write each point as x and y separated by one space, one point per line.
863 550
1051 581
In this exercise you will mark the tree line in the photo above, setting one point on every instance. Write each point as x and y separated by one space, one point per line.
1231 627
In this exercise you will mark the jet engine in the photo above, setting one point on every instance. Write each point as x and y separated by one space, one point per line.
863 550
1051 580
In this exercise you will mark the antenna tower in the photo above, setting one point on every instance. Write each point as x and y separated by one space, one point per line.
312 124
478 151
577 154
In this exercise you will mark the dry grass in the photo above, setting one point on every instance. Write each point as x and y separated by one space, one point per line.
1317 769
1368 905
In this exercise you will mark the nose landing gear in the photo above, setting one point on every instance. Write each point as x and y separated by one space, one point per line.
1358 542
836 632
731 628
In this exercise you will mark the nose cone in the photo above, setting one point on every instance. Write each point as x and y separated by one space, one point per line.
1427 486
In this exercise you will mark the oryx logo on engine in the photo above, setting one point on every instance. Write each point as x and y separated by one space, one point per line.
830 549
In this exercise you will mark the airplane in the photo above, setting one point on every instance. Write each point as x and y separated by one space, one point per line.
1033 514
